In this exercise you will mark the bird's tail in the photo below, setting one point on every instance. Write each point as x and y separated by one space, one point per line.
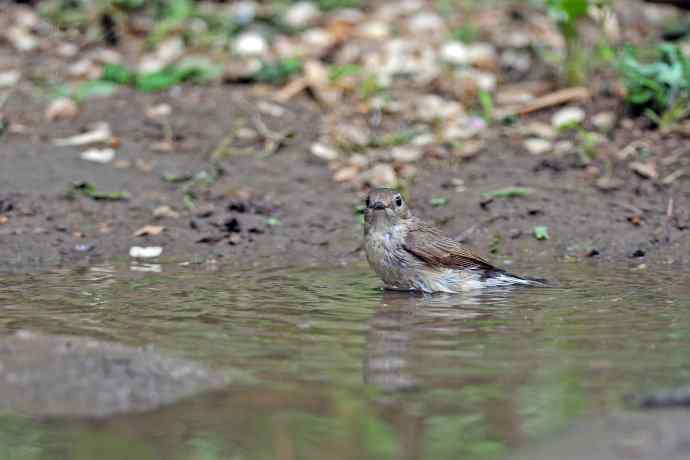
501 277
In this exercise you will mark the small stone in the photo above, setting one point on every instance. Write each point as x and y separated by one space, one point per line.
301 15
432 107
427 22
9 78
4 219
539 129
374 30
204 211
323 151
381 175
149 230
146 252
482 55
567 117
250 44
456 53
102 156
63 108
243 12
604 121
608 183
537 146
21 39
406 154
165 212
346 174
158 111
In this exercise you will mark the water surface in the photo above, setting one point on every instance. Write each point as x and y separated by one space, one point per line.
326 365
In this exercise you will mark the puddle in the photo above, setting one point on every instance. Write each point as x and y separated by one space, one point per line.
325 365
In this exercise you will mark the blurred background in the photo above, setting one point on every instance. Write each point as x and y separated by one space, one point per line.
517 116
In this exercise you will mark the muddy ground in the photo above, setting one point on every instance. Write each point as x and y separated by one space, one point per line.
284 208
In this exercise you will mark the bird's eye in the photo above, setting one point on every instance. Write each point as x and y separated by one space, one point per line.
367 202
398 201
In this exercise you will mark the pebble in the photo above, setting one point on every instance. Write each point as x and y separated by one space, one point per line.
250 44
243 12
406 154
9 78
145 252
323 151
62 108
102 156
604 121
537 146
165 211
455 53
301 15
381 175
568 116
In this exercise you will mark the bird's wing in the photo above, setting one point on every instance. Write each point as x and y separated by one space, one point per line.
433 247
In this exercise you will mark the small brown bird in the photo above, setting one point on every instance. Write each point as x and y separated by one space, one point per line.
412 255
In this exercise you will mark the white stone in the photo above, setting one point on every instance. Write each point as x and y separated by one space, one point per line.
323 151
102 156
406 154
301 14
481 52
243 12
568 116
455 53
145 252
250 44
537 146
9 78
62 108
375 30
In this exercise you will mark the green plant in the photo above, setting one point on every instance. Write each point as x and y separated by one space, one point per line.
658 86
567 14
278 72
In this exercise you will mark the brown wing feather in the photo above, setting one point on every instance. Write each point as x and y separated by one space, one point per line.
433 247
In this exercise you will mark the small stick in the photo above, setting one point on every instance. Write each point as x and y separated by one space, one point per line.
575 93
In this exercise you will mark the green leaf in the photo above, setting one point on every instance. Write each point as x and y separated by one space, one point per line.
336 72
89 190
541 233
158 81
278 72
438 201
89 89
117 73
508 192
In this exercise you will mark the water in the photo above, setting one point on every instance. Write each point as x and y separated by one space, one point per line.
325 365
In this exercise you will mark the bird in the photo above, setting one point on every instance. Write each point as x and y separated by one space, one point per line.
409 254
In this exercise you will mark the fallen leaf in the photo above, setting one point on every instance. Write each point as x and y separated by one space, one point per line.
149 230
541 233
89 190
646 170
100 133
508 192
438 201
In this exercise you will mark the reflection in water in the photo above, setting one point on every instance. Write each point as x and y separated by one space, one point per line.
324 364
401 318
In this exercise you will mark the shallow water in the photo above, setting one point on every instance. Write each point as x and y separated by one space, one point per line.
326 365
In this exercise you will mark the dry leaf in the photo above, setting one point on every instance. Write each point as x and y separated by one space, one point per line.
647 170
